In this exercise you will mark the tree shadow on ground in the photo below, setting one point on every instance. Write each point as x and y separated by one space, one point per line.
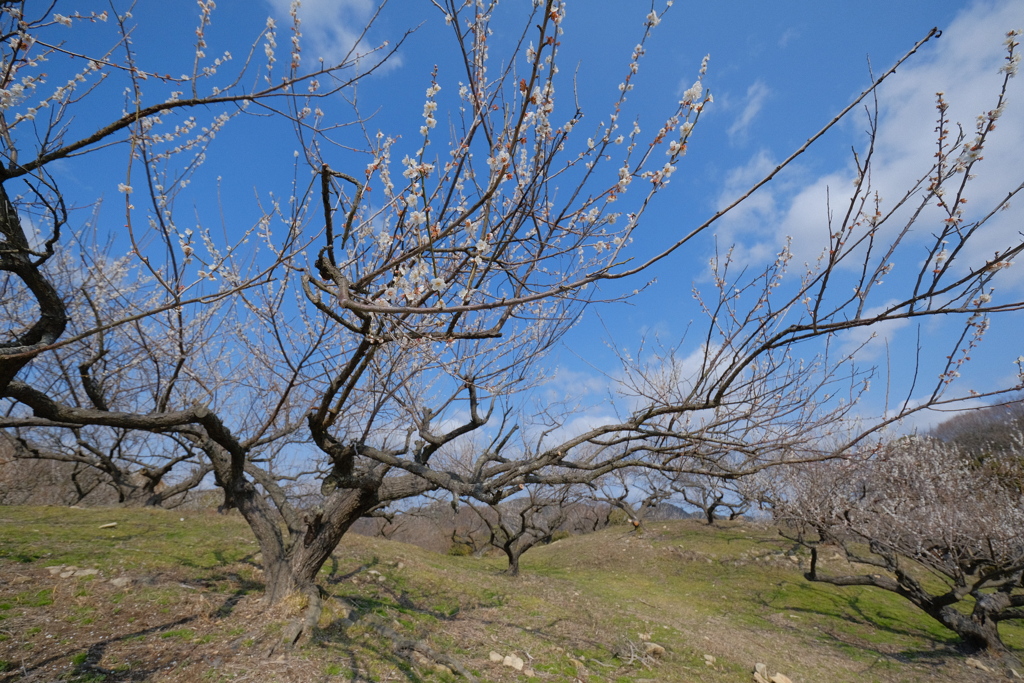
95 653
86 657
831 609
366 630
393 604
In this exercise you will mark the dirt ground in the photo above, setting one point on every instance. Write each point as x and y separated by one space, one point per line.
154 628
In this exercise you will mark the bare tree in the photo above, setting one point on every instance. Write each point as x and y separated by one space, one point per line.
634 491
83 473
422 318
711 494
639 492
99 370
389 525
28 481
525 521
916 512
586 517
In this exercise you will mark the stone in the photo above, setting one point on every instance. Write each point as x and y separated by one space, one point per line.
515 661
120 582
972 662
87 572
529 672
709 660
758 678
780 678
108 526
761 669
495 657
653 649
55 569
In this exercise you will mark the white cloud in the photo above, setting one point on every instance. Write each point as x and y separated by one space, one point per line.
868 344
574 385
787 36
748 228
963 64
756 96
333 30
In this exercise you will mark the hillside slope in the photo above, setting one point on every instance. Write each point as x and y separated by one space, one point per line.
176 598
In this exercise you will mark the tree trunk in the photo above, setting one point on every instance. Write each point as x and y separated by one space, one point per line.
324 533
980 629
513 560
325 528
294 571
17 258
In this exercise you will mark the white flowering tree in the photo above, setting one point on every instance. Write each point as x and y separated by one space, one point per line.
928 521
139 365
434 284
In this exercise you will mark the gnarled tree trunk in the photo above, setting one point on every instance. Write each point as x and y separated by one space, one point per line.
979 629
291 563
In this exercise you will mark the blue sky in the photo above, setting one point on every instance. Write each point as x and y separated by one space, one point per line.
778 71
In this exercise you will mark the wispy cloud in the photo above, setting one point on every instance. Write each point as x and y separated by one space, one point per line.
755 99
333 30
964 65
788 35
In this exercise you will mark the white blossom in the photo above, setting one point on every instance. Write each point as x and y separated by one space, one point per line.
694 93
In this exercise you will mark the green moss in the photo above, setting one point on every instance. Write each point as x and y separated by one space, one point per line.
179 633
36 598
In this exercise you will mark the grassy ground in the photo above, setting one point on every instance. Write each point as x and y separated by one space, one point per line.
177 599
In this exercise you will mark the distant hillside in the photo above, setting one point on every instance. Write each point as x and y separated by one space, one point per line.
667 511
